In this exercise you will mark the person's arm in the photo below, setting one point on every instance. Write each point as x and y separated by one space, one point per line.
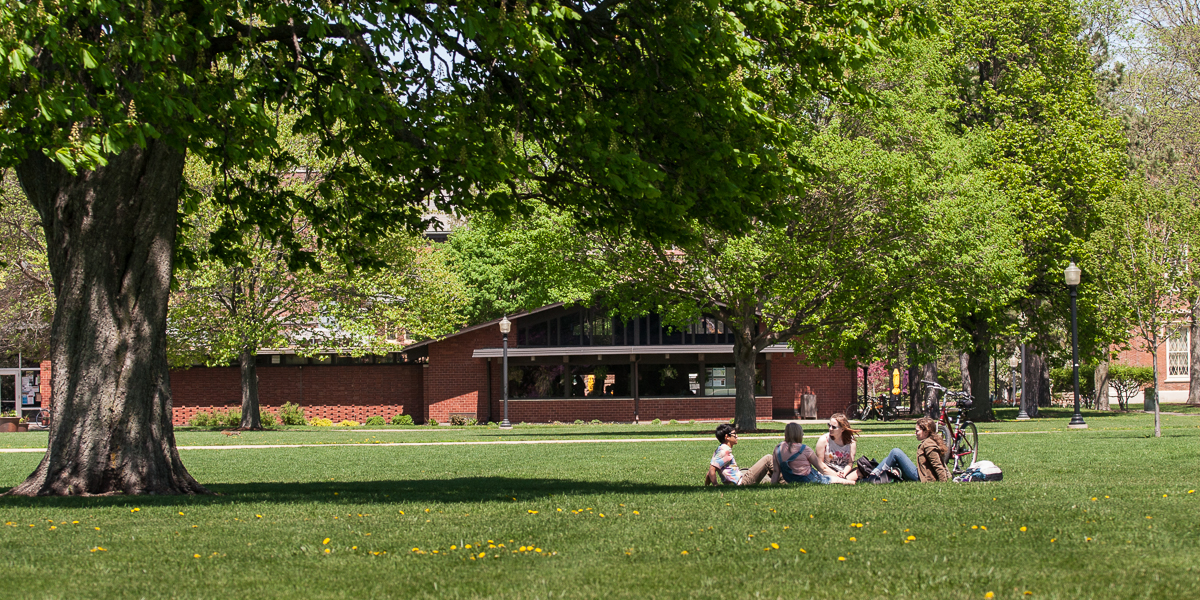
819 463
711 477
853 458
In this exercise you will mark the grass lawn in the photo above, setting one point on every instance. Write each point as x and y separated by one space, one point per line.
1106 513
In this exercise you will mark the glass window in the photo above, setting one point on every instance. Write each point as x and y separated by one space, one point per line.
719 380
601 381
570 330
602 331
541 381
655 327
539 335
668 381
672 335
1177 353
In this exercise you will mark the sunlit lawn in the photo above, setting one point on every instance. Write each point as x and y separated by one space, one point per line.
1106 513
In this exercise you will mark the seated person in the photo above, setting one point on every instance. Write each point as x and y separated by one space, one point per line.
798 463
930 453
838 448
723 468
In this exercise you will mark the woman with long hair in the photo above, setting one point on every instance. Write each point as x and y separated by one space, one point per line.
797 463
838 448
930 465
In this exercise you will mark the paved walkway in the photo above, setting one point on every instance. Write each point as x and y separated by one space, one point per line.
707 438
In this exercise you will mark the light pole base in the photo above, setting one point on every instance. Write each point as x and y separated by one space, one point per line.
505 424
1024 417
1077 425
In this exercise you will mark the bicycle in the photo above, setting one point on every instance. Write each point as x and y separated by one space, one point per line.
42 418
961 436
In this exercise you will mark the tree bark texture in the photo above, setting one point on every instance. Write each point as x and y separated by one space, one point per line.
978 368
929 373
251 419
1100 380
1035 381
1194 356
110 235
964 369
745 354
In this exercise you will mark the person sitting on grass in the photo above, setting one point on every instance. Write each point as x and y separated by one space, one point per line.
723 468
798 463
930 452
838 448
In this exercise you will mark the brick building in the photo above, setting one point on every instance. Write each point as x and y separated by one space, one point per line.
565 363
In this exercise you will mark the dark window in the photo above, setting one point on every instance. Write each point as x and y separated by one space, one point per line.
522 336
570 330
719 380
655 327
539 335
618 329
668 381
553 332
536 381
602 332
601 381
672 335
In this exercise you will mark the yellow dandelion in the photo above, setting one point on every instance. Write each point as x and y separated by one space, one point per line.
453 547
983 527
1093 498
482 554
74 522
911 538
401 512
259 516
1023 529
974 527
1052 540
354 547
775 545
181 513
468 546
803 551
1028 593
560 510
636 512
98 529
853 540
195 556
326 541
140 510
684 553
327 551
841 558
537 549
785 527
989 595
532 512
52 527
601 514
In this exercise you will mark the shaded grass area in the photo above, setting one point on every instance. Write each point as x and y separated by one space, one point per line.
628 514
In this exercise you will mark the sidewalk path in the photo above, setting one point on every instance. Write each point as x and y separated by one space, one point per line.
707 438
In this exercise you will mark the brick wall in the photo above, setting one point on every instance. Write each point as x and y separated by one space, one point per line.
44 384
1172 391
456 383
833 385
334 392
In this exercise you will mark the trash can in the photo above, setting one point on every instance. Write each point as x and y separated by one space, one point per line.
1150 400
808 406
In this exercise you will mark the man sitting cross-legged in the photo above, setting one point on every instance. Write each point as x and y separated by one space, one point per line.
724 469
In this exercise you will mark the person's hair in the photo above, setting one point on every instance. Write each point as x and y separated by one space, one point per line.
929 426
793 433
723 430
848 432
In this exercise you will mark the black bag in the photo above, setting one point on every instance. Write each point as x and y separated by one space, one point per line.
888 475
865 466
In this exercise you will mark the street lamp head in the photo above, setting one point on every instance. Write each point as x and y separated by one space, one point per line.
1013 361
1072 274
505 325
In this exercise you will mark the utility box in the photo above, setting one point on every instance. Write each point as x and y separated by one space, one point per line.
808 406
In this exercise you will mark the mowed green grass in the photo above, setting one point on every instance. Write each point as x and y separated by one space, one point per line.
1138 538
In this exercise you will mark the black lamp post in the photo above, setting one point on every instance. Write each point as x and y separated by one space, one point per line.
1072 277
505 327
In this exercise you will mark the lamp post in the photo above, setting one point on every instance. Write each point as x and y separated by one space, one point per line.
1012 378
1071 274
505 327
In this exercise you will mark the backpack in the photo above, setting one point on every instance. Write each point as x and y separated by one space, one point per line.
981 470
866 466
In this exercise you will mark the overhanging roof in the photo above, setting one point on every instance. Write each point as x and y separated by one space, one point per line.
610 350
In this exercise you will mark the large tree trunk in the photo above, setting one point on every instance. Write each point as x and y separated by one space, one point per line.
929 373
110 234
978 368
745 353
964 370
250 415
1194 356
1100 380
1035 382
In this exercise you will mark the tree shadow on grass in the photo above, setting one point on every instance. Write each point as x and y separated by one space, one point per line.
436 491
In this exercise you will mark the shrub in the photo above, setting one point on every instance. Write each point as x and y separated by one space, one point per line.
460 420
595 421
433 422
1062 380
201 419
319 422
375 420
579 421
217 418
267 419
292 414
692 422
1129 381
402 420
348 423
674 422
656 422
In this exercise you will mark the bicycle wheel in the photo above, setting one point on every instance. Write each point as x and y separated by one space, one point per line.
966 447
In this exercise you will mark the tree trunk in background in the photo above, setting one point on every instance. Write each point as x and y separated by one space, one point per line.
929 373
1101 383
964 369
979 366
1194 356
745 409
110 235
1044 393
1031 381
250 415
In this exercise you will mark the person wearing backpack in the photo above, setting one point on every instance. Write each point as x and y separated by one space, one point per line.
929 465
797 463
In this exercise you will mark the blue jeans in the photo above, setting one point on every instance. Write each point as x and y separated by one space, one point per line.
898 459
